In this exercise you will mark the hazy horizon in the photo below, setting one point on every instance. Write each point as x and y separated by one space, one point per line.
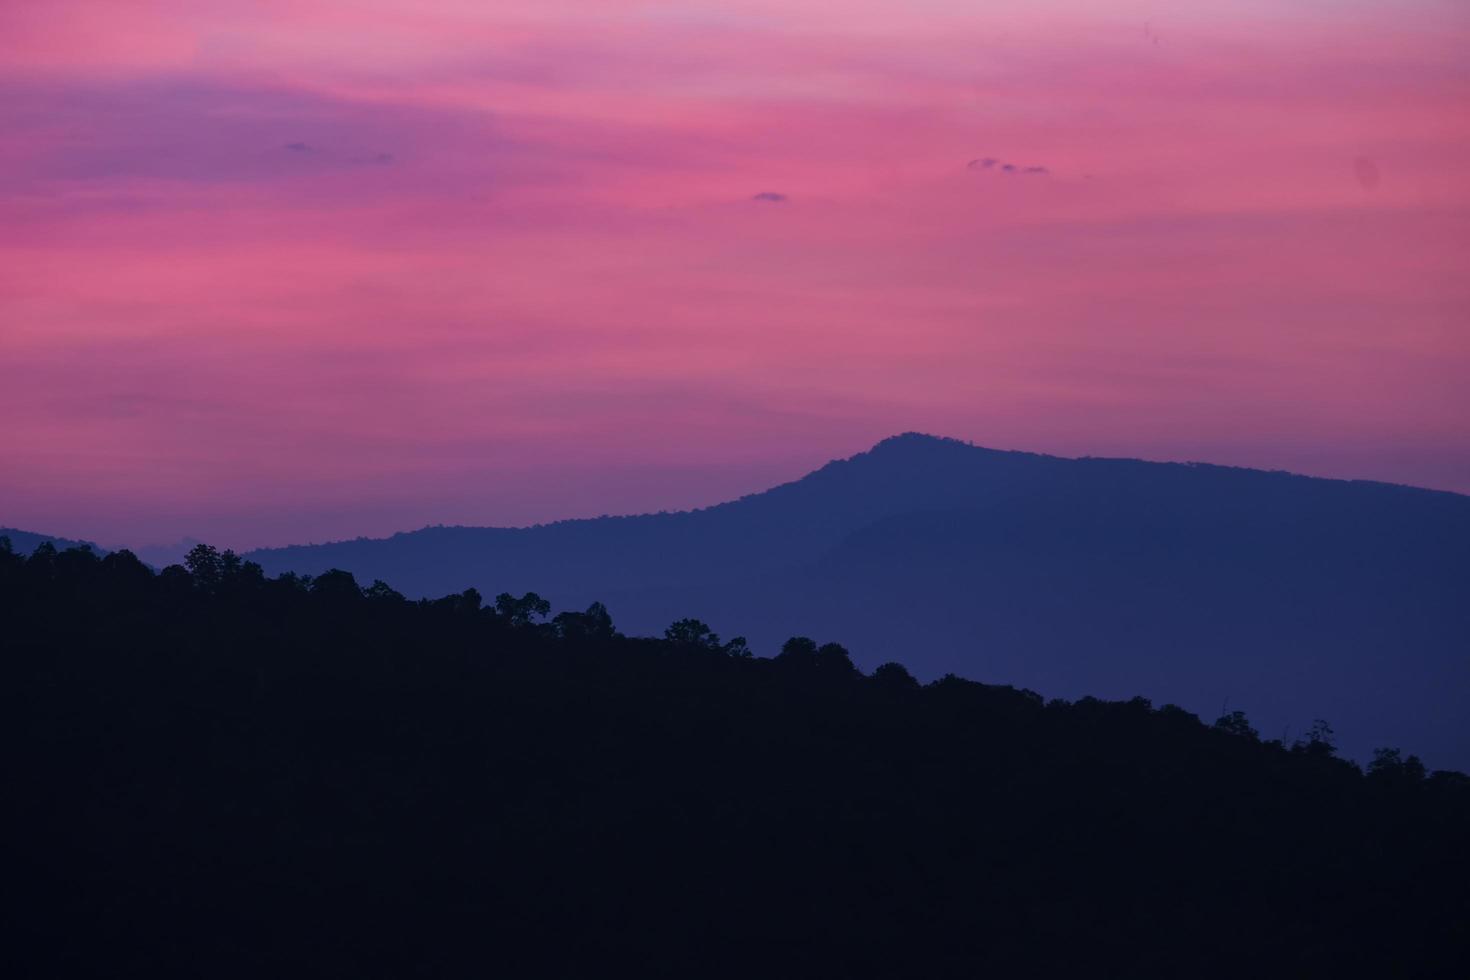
637 481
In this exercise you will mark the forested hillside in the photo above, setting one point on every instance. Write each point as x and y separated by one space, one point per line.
216 773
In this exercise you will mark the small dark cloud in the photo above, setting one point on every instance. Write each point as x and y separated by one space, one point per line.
383 159
991 163
771 196
297 147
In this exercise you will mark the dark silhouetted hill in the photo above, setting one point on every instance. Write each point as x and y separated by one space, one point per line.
211 773
1292 597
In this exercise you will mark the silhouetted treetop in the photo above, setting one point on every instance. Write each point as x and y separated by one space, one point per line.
521 611
594 625
895 676
1236 723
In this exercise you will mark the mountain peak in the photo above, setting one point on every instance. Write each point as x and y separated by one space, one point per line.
916 440
903 455
922 445
915 437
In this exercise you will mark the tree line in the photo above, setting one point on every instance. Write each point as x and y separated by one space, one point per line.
219 772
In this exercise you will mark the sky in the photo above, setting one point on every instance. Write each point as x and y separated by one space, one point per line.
277 272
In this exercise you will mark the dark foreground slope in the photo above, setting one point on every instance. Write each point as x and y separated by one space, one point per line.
1294 598
216 774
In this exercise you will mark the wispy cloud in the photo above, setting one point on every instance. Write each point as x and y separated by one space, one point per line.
991 163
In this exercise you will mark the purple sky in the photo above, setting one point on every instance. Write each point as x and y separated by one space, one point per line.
276 272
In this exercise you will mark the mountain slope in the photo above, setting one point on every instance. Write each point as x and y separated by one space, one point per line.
1289 597
26 542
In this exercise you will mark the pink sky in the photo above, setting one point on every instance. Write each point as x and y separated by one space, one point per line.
282 271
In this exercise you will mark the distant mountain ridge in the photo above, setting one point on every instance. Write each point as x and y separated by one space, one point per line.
906 473
1290 597
26 542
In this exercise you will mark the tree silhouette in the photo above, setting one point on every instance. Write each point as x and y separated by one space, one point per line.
799 650
337 586
520 612
593 625
692 633
381 591
1388 765
833 658
204 564
1236 723
895 676
1318 743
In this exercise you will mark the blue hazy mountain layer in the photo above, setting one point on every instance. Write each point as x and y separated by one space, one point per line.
1291 598
26 542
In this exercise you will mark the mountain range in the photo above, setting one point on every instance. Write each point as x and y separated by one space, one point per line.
1216 588
1290 598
